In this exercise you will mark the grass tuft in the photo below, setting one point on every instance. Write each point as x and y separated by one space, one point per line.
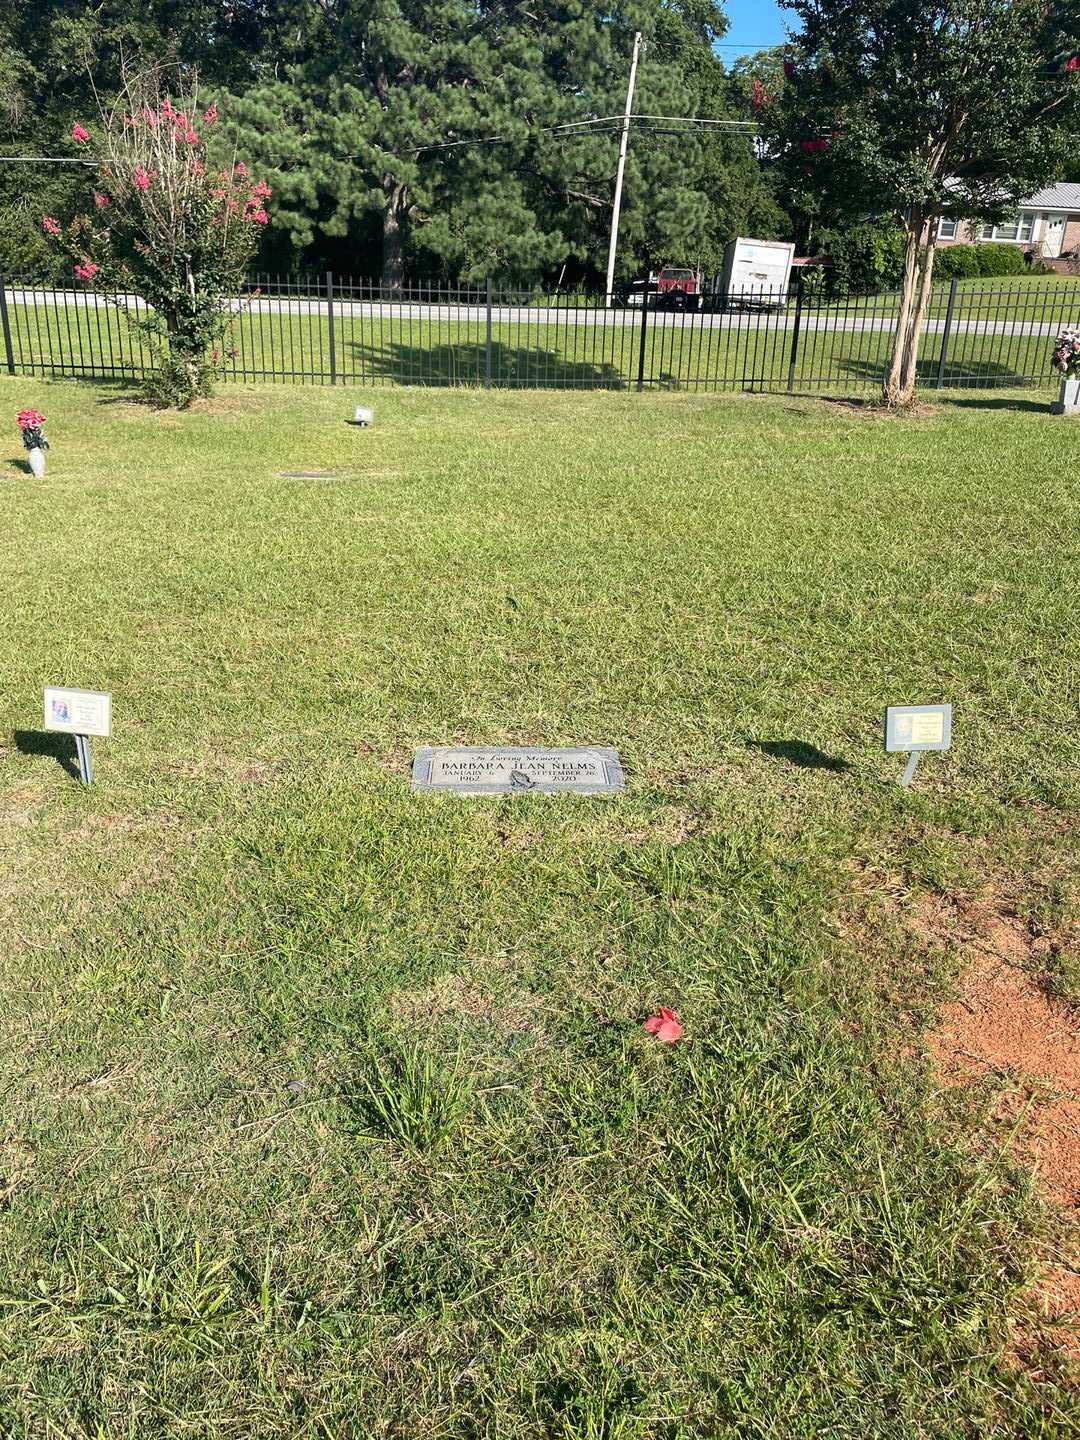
411 1098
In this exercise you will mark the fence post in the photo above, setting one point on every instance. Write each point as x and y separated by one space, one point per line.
330 312
487 342
795 332
641 347
945 335
5 324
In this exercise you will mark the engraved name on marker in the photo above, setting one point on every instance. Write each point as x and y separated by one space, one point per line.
478 770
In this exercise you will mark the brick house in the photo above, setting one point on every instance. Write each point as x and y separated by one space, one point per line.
1047 226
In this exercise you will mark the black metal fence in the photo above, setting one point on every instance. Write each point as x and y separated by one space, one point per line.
330 329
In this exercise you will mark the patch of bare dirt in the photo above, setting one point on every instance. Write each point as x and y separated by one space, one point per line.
17 1157
874 410
671 825
211 405
22 805
395 760
230 769
1057 1302
1003 1022
452 997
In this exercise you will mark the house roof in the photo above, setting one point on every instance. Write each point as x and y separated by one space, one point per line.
1065 196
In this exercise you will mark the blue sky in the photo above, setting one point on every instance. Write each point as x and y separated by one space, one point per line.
754 24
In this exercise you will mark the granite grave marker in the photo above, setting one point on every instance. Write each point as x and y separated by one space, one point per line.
506 770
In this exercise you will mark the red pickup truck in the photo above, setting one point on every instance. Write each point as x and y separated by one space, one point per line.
679 287
675 288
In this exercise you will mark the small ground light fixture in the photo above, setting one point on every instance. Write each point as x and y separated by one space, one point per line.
363 416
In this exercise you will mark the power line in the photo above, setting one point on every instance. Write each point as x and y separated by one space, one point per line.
701 120
43 160
605 123
597 125
494 139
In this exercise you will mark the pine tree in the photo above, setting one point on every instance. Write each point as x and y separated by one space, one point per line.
378 108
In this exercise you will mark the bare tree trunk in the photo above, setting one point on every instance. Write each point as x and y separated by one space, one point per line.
903 373
393 236
891 389
909 373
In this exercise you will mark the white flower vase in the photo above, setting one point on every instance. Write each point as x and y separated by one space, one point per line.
36 458
1068 402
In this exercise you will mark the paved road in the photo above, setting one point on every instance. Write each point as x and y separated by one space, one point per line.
531 316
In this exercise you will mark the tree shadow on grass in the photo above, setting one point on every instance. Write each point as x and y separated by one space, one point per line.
800 753
958 372
124 385
1003 402
466 364
46 742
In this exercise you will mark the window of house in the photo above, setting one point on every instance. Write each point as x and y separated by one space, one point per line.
1019 229
946 229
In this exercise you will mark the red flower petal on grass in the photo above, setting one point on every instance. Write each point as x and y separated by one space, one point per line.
664 1025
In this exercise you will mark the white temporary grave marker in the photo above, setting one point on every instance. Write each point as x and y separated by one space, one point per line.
915 728
81 713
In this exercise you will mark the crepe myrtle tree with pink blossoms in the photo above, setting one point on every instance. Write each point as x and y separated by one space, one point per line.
168 226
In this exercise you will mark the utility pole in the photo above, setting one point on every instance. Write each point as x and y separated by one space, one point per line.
619 174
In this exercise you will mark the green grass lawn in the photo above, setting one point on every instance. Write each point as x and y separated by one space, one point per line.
491 1205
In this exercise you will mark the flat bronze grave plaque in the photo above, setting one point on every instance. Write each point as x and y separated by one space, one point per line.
512 770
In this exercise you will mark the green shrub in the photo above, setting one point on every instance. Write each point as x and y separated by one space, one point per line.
864 257
956 262
1001 260
966 261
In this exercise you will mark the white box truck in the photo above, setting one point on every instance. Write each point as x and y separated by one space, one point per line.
756 272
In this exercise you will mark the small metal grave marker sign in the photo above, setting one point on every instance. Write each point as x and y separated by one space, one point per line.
915 728
81 713
477 770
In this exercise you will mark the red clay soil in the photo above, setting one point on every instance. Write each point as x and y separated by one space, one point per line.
1004 1022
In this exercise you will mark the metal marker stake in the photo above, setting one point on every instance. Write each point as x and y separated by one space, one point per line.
86 769
909 773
